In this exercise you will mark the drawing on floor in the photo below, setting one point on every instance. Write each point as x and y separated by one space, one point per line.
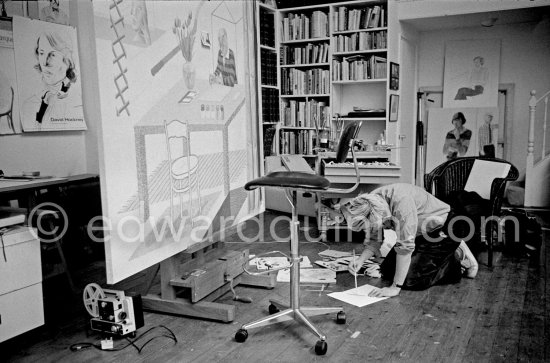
174 167
471 73
48 76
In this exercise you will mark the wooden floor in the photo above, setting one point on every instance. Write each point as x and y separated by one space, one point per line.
502 315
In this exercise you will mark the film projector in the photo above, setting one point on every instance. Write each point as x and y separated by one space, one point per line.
112 311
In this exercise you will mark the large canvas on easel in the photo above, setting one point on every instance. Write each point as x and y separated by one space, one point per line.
160 61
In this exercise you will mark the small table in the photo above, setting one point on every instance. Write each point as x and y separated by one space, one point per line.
170 108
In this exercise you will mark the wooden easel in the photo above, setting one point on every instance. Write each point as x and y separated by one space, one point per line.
205 274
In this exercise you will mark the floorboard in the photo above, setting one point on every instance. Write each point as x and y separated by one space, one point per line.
500 316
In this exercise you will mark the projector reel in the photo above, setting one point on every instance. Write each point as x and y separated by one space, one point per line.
92 292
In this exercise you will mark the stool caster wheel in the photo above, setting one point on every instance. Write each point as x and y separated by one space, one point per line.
341 317
273 309
241 335
321 347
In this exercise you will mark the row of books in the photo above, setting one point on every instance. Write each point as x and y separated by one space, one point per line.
300 26
359 68
355 19
305 82
360 41
269 135
270 105
311 113
310 53
266 26
297 142
268 70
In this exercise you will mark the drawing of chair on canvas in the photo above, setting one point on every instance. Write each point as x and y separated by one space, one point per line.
183 166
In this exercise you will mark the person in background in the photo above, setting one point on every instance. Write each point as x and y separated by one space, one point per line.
485 136
426 252
226 72
458 139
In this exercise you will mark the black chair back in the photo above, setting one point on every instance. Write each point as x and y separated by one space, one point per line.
350 132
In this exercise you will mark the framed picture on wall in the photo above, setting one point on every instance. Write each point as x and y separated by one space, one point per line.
394 107
394 76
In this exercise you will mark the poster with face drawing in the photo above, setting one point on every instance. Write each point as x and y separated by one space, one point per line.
471 73
176 137
10 122
48 76
459 132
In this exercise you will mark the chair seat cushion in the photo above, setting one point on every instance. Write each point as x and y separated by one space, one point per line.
181 167
290 179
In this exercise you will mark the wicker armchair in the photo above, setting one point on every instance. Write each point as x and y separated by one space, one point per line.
452 175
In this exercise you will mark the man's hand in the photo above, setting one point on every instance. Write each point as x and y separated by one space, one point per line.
355 265
385 292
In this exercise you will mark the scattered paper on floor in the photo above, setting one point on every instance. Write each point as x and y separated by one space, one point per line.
357 296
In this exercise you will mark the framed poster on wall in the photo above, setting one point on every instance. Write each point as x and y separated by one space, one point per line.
471 73
394 76
48 76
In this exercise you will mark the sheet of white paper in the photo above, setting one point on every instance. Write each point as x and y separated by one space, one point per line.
358 297
482 175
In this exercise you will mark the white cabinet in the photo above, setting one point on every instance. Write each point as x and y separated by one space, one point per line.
21 302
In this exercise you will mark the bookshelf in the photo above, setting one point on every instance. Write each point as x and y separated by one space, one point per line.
330 57
333 60
267 76
359 68
304 68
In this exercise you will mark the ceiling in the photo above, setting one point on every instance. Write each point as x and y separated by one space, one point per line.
505 17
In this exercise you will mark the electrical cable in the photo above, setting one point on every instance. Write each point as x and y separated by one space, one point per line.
81 346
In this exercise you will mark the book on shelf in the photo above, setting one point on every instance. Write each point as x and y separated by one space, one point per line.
375 17
311 113
267 25
296 141
345 18
301 26
301 82
270 105
269 134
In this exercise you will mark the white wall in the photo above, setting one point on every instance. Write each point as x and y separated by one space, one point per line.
524 62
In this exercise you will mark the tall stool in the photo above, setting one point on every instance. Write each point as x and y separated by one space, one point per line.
292 182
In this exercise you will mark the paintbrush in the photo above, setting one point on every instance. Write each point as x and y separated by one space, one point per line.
354 272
